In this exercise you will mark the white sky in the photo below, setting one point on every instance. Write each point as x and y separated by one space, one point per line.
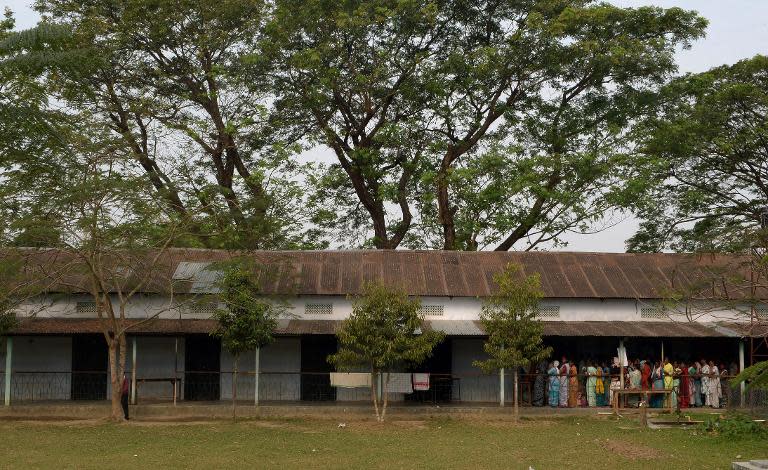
738 29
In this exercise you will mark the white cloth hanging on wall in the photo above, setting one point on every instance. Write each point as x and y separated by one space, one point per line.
350 379
421 381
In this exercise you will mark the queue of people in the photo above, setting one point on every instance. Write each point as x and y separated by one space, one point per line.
566 384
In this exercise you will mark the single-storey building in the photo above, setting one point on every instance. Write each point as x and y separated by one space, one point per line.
686 307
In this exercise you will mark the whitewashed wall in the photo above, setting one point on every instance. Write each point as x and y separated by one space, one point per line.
456 308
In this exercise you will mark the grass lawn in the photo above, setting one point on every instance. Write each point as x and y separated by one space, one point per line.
572 442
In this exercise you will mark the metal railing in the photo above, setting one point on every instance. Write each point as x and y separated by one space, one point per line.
466 388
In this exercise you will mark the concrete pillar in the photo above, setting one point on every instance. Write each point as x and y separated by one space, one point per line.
501 387
133 372
742 386
256 379
8 362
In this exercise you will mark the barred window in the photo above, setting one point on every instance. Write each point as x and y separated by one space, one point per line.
549 311
318 309
655 313
431 310
85 307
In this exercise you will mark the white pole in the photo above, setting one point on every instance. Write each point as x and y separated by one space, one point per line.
501 387
256 380
8 361
133 372
741 368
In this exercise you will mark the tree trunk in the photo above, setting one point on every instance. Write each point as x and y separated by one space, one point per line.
374 394
115 379
385 398
515 397
234 391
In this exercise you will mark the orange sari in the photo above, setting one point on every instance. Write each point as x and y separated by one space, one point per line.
573 388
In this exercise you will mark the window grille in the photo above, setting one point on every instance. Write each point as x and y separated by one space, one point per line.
318 309
85 307
431 310
549 311
655 313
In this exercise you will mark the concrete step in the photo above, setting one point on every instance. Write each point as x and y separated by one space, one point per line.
751 465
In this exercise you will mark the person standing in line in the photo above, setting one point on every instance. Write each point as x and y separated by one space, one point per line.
657 378
635 378
564 371
615 379
645 375
685 387
591 385
669 371
124 395
600 387
705 376
714 385
554 384
695 372
573 387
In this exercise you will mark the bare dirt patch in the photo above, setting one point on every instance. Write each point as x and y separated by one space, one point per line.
631 451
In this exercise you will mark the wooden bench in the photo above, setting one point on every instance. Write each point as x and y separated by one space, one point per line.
617 394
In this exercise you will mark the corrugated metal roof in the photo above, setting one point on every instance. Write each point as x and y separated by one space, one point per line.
424 273
643 329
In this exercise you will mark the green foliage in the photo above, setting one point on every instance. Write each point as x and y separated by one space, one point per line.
385 331
734 426
755 376
706 151
248 319
509 319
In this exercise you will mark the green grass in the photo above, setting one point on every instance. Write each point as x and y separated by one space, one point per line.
573 442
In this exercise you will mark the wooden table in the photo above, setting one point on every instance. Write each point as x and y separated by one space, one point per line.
173 380
629 391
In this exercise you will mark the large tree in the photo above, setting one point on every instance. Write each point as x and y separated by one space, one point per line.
411 97
163 79
708 150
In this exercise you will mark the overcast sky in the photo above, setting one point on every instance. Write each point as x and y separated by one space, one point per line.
738 29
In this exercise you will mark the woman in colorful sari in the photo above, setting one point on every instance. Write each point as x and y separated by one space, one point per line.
554 384
669 371
675 396
573 387
600 387
657 381
692 387
565 369
635 378
539 384
696 384
607 385
685 387
591 384
713 386
705 383
645 370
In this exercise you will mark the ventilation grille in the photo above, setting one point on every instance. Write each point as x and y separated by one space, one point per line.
201 309
761 314
318 309
431 310
654 313
550 311
85 307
